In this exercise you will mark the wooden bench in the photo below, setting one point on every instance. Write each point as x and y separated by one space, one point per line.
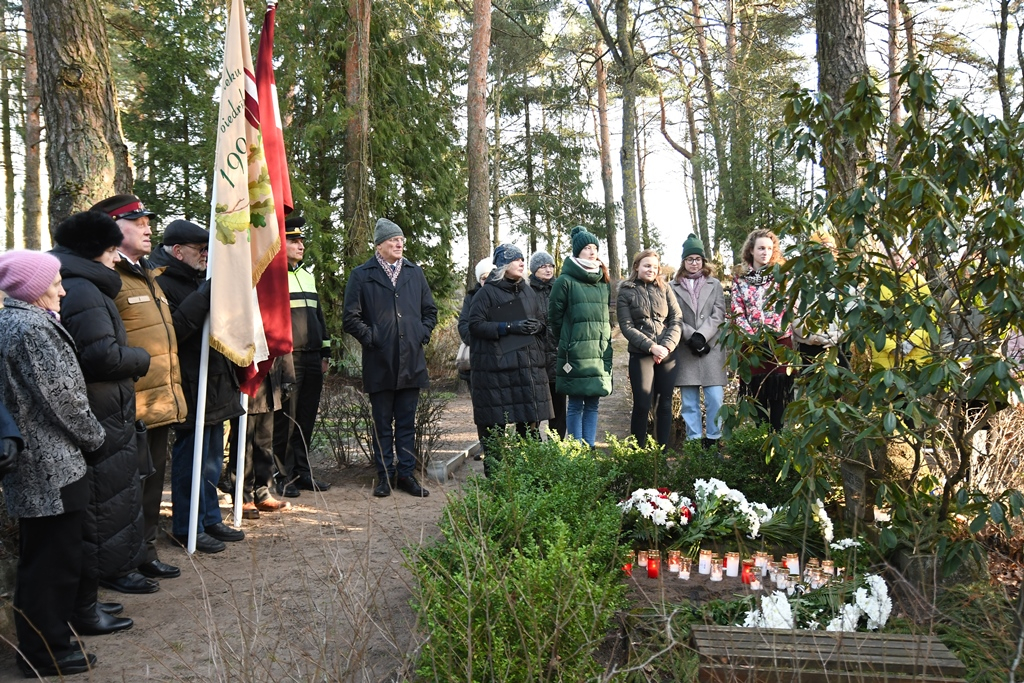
746 655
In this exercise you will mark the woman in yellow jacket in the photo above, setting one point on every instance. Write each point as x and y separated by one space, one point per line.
914 347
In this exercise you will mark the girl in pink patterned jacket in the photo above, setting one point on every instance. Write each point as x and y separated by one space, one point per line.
753 310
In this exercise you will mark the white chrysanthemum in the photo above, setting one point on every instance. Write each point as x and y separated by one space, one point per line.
777 611
846 544
847 620
821 517
874 601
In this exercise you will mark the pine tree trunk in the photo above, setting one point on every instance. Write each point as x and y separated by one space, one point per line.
5 113
700 194
623 29
614 269
357 148
476 134
31 209
842 59
531 188
496 169
86 157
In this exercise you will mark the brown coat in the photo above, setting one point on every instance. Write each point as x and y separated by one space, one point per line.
159 400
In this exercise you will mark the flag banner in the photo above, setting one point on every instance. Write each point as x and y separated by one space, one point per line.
245 235
272 289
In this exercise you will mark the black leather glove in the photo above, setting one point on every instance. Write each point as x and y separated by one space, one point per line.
9 449
533 326
522 326
696 341
704 350
286 391
426 339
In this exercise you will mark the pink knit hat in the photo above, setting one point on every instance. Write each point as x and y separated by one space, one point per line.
26 275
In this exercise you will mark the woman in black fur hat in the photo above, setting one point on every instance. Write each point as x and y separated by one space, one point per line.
113 535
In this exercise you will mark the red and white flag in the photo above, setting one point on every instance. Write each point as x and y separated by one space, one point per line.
246 236
272 289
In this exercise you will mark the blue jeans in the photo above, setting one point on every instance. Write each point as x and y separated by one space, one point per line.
713 398
181 478
581 418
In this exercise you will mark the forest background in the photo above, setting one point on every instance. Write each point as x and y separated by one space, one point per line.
471 123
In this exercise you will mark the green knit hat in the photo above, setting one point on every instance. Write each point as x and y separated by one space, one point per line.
693 247
581 238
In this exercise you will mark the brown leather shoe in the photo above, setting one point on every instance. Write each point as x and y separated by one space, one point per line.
250 511
273 505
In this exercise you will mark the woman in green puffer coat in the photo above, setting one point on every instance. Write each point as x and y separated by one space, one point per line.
578 319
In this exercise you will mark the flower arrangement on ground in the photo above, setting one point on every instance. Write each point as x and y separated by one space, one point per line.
654 515
869 607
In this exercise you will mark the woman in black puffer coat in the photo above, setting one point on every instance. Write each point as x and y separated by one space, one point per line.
114 533
507 324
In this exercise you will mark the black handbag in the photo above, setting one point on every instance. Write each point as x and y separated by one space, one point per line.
146 468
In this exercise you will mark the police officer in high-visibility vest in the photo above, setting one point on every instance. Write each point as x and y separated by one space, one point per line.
293 424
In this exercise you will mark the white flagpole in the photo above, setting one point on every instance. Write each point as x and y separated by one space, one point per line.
241 448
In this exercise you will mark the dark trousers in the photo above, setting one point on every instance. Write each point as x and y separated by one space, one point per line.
293 425
557 423
212 462
49 567
159 439
260 460
394 431
653 385
771 393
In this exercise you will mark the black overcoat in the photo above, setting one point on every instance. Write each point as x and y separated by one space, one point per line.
393 323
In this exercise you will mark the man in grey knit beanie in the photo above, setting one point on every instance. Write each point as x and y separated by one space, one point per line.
385 230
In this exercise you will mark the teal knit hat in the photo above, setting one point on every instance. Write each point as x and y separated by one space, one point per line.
693 247
581 237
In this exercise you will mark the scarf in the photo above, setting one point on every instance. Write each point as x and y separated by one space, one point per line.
759 277
692 282
587 265
391 271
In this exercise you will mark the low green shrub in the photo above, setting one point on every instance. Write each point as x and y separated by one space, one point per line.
524 583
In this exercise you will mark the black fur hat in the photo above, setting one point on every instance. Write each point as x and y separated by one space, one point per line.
88 233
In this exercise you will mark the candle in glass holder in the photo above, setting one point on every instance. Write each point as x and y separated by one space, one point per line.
816 579
716 569
627 563
747 565
653 564
641 558
755 578
828 567
704 563
781 579
793 564
684 569
673 561
732 564
761 561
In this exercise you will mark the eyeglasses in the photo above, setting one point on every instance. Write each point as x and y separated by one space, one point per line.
201 248
694 259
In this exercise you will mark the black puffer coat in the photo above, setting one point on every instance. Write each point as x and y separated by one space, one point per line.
392 323
188 294
114 533
463 325
509 386
543 290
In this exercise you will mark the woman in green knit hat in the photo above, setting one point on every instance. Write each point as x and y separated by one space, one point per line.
578 320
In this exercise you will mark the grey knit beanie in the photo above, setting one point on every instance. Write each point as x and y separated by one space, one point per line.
385 230
539 260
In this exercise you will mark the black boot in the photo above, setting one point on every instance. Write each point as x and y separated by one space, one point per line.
709 444
88 618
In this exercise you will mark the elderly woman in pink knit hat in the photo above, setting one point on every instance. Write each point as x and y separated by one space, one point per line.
42 386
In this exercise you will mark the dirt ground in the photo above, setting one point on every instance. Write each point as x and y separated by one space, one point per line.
317 593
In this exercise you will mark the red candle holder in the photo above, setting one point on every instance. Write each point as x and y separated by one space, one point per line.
653 567
746 576
627 569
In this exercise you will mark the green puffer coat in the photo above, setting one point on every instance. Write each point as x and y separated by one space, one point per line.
578 319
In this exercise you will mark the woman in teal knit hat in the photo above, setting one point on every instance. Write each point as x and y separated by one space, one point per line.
578 318
700 359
